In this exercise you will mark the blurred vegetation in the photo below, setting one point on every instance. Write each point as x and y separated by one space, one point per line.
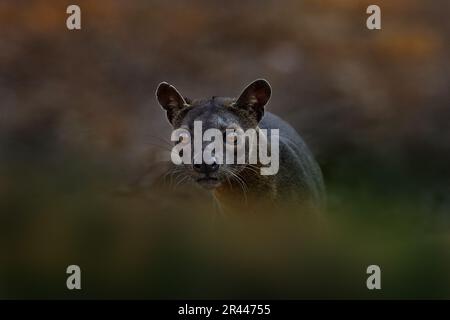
78 120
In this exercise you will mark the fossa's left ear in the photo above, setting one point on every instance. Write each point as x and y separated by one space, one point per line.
170 100
254 97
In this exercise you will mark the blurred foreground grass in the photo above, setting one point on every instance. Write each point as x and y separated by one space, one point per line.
63 210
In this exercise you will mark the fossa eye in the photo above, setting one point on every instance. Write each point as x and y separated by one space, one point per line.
184 138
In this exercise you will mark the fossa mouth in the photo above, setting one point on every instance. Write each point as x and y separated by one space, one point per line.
208 182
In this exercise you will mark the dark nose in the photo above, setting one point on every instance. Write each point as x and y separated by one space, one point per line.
206 168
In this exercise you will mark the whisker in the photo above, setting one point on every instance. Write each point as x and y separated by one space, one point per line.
160 139
159 146
241 183
183 179
252 170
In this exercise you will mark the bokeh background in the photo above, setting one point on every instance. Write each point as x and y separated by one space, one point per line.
79 121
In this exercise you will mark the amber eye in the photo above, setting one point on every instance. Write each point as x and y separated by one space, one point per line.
231 138
184 138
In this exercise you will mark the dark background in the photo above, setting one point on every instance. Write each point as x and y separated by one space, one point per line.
79 121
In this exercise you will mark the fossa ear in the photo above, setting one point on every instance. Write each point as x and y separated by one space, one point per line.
170 100
254 97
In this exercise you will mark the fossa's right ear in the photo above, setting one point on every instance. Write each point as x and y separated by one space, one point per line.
170 100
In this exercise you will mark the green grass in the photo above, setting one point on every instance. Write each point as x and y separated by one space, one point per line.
159 245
